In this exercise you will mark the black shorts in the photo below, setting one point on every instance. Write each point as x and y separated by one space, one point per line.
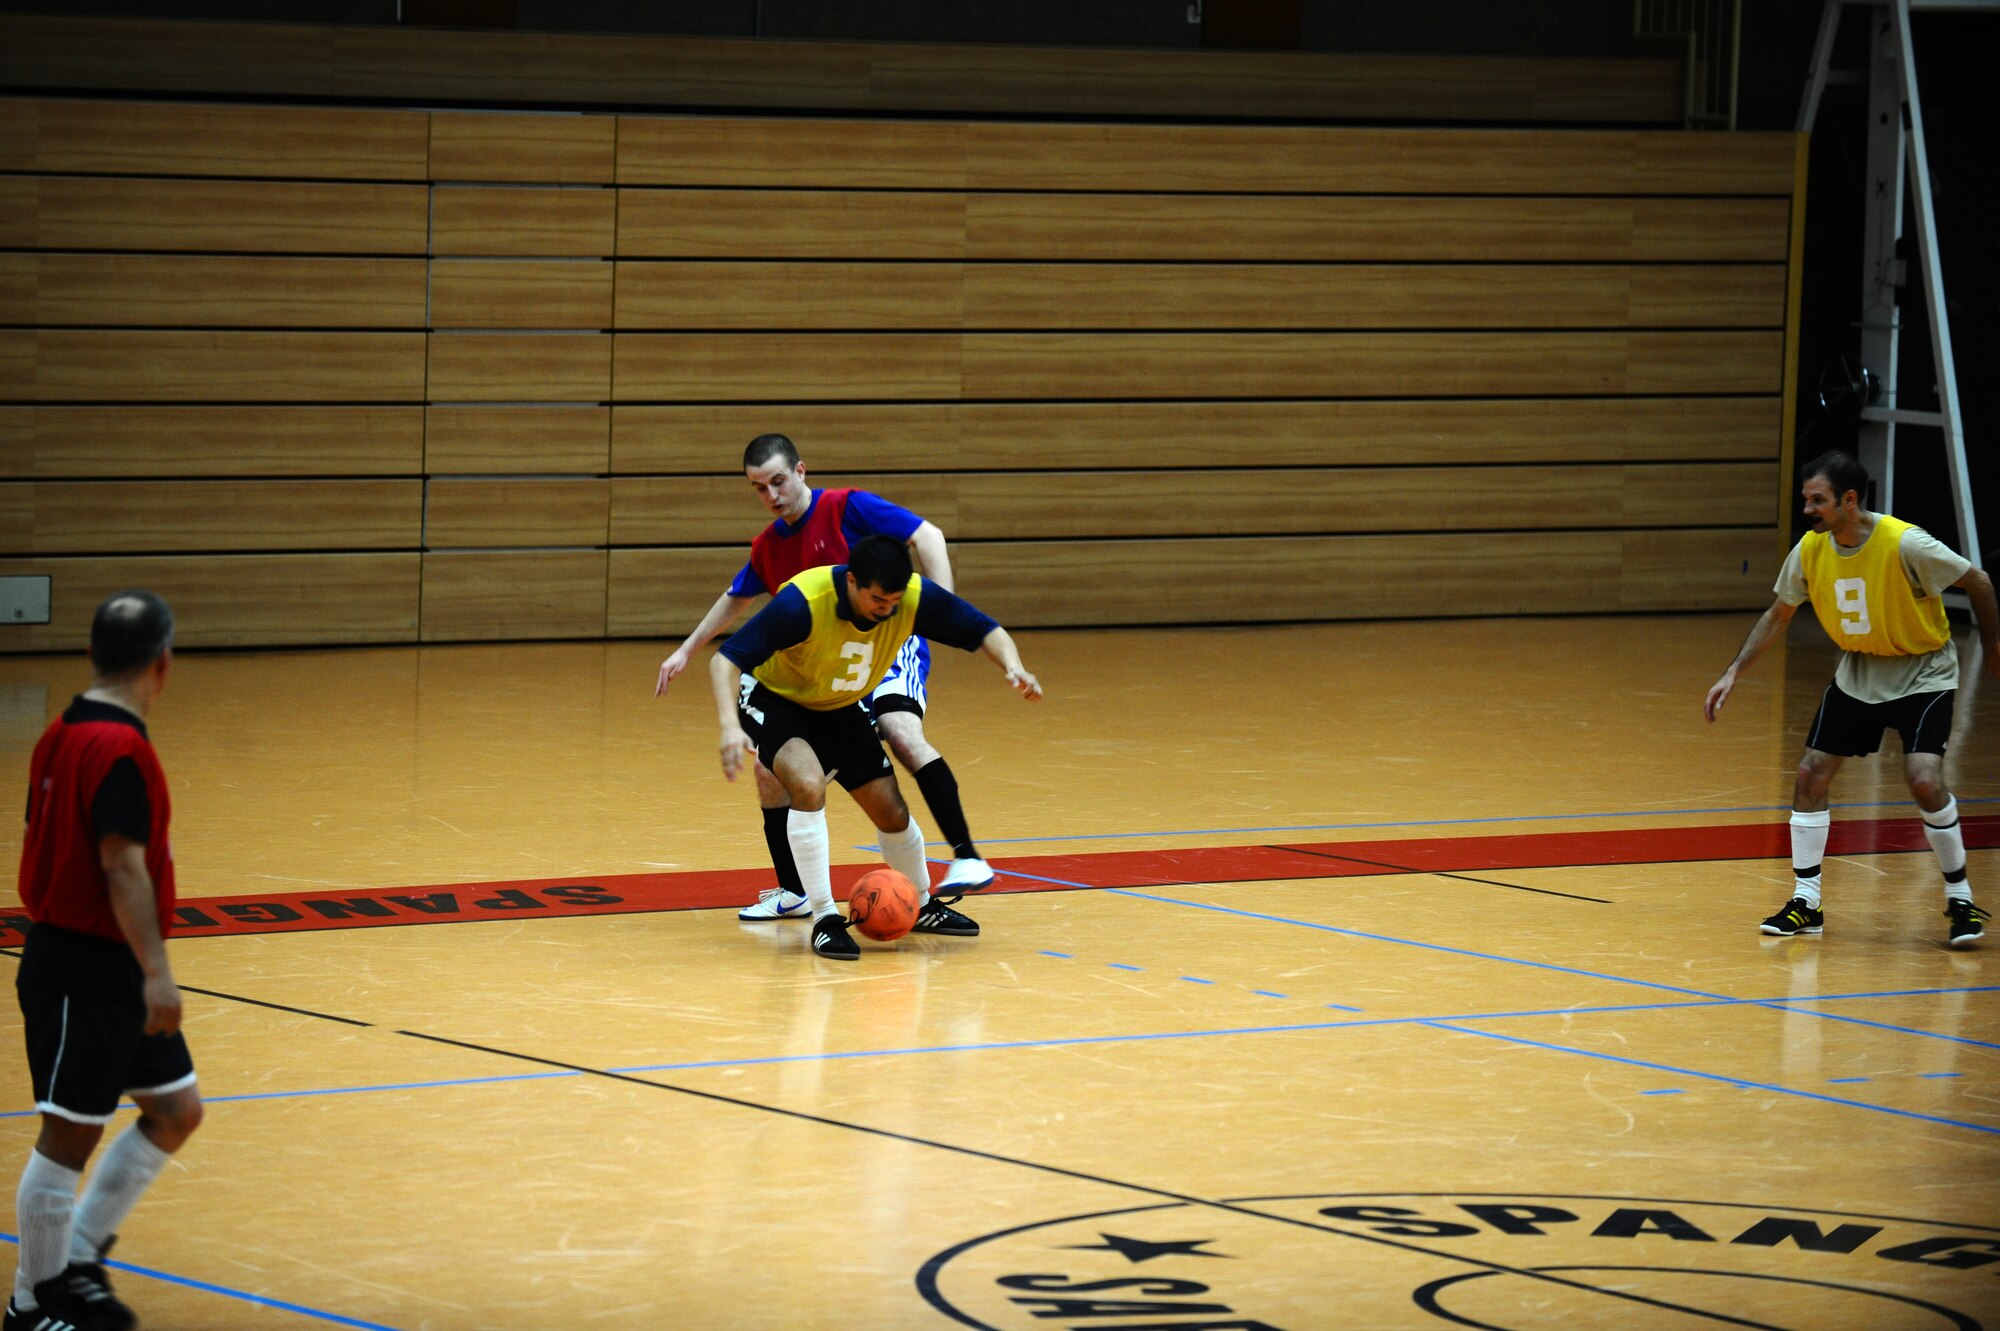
843 739
84 1008
1850 728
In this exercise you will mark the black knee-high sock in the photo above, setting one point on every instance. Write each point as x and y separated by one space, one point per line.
781 850
940 789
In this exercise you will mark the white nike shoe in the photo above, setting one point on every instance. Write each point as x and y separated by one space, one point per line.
964 876
775 903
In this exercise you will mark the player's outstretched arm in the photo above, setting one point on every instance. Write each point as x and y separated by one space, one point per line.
1767 630
137 913
726 611
1978 588
933 557
999 648
727 680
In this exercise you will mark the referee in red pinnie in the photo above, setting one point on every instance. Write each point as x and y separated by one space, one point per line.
102 1012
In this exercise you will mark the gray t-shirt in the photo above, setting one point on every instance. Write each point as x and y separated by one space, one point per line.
1931 566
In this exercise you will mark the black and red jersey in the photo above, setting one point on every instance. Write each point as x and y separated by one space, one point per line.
93 773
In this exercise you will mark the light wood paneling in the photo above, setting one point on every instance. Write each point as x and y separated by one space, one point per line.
1046 436
517 439
530 293
1054 365
874 154
832 224
795 224
542 511
182 292
1033 584
535 223
1281 159
728 150
519 367
116 442
1031 295
693 510
543 149
271 216
791 295
1334 229
181 139
792 367
481 595
233 600
786 367
211 367
171 517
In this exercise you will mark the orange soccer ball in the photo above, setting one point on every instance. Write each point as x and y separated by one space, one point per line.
883 905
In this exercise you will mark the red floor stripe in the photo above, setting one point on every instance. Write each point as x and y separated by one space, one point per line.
620 894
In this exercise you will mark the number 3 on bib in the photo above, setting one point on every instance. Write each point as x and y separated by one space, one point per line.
861 655
1850 595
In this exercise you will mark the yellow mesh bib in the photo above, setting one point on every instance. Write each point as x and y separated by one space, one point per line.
839 663
1864 600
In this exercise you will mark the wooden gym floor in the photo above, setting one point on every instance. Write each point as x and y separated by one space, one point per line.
1367 975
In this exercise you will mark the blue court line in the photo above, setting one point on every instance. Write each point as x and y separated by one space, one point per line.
1838 1081
1670 1090
1779 1003
1096 1039
1446 822
1270 993
242 1295
1121 966
1195 979
1715 1076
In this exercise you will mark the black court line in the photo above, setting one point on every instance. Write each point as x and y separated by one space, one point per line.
1061 1172
1440 873
238 998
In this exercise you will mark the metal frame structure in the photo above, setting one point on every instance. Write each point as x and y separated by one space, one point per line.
1896 157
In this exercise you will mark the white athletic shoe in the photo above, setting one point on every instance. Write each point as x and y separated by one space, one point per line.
964 876
775 903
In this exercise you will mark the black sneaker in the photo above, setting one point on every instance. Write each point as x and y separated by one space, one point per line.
938 918
1967 922
40 1319
830 940
1796 918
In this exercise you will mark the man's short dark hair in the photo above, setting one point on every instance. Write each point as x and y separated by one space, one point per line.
878 562
129 632
767 446
1842 472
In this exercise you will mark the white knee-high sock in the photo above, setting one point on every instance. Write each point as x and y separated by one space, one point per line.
807 834
1808 850
122 1175
904 852
44 1206
1947 838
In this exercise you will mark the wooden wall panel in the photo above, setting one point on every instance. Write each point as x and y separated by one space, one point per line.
1093 296
82 366
183 139
235 600
793 224
696 510
519 367
530 293
1044 436
1337 229
117 442
542 149
727 150
1033 584
483 595
535 223
517 439
182 292
853 224
259 216
780 367
754 366
540 511
170 517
